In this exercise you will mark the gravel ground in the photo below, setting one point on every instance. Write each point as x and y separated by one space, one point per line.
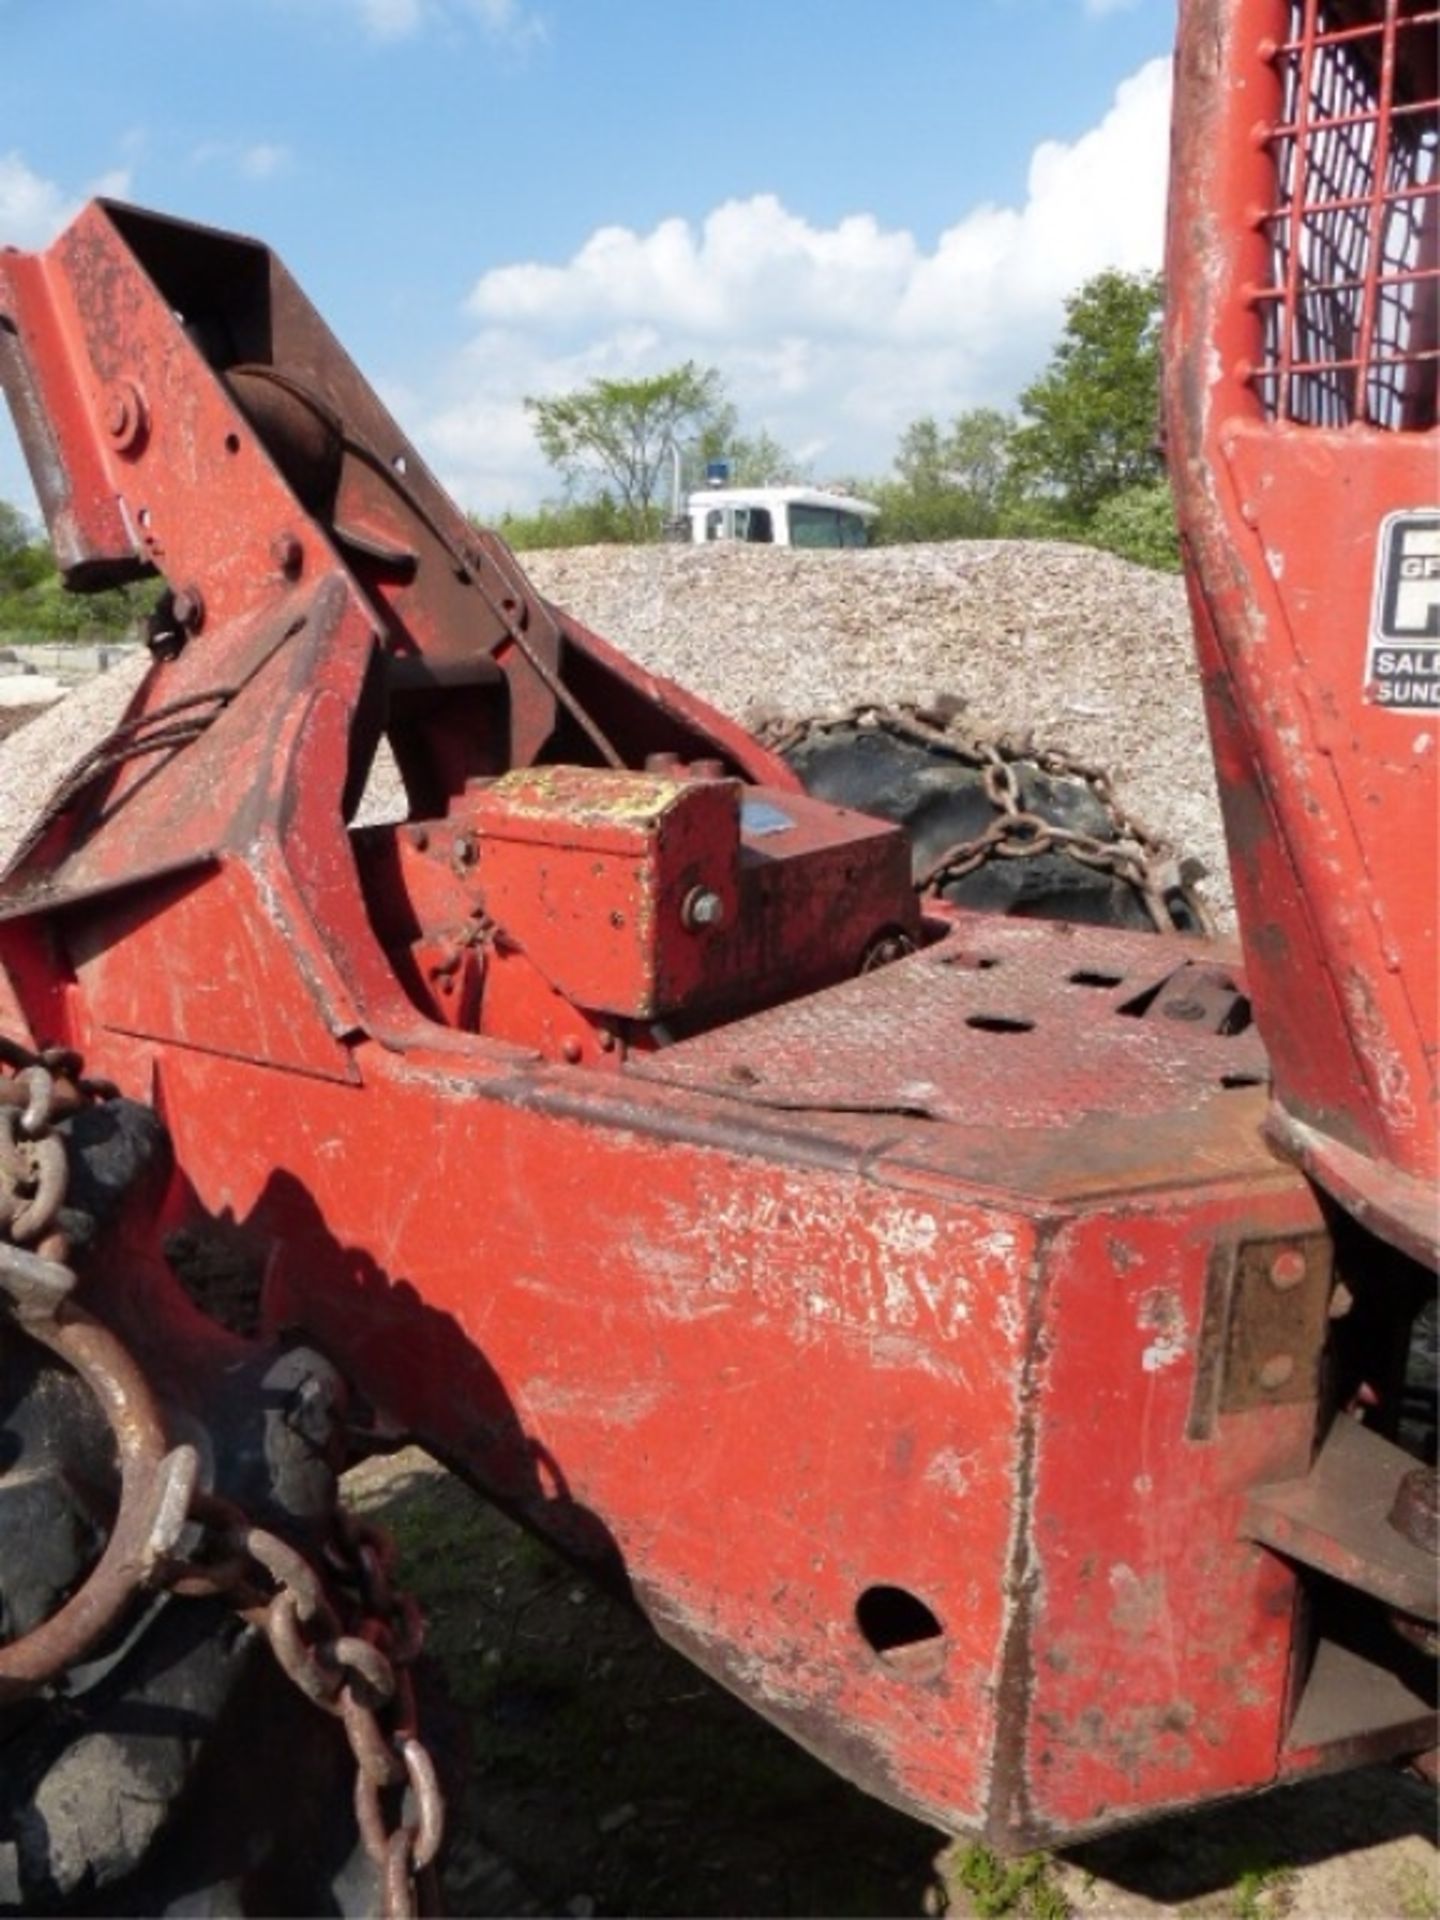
40 750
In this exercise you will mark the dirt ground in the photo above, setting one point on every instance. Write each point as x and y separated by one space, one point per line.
609 1777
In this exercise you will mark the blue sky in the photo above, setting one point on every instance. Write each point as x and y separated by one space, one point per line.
859 213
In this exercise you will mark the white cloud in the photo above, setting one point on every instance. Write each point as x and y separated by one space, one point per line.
264 160
391 19
832 338
504 20
261 160
33 209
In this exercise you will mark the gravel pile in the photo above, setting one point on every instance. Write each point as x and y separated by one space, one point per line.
35 758
1077 648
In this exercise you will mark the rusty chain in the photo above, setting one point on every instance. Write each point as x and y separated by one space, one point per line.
347 1636
36 1288
1137 856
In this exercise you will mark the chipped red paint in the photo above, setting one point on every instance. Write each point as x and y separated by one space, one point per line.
811 1302
1331 797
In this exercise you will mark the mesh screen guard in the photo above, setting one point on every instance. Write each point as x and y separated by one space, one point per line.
1351 317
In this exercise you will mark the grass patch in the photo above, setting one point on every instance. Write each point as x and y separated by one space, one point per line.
978 1879
1262 1892
1417 1896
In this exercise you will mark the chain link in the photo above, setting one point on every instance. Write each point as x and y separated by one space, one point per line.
347 1639
37 1285
1140 858
347 1636
40 1089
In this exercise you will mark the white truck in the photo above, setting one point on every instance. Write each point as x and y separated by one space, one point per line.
779 516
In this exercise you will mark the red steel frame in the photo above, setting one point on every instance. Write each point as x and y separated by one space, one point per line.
1304 353
888 1341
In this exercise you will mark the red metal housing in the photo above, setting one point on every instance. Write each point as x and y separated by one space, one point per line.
1304 355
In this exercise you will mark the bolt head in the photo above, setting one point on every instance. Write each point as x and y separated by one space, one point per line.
287 554
1183 1007
702 908
1277 1371
123 411
889 947
1287 1269
189 609
166 643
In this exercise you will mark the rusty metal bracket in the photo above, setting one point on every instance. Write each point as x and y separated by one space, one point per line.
1337 1519
36 1298
1266 1314
155 1492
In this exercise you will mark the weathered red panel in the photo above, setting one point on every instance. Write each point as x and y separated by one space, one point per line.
1137 1561
769 1379
1301 380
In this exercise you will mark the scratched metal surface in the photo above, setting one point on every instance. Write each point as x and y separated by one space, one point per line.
1015 1021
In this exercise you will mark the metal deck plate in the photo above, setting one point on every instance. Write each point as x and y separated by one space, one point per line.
1005 1022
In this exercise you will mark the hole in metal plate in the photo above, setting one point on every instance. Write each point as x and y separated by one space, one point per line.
902 1631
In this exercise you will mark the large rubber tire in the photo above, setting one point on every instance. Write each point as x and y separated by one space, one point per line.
940 800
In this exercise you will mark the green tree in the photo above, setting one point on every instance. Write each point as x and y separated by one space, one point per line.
34 601
756 460
565 523
616 436
1139 525
14 532
24 561
1082 462
970 457
1089 421
950 481
979 454
1086 463
51 611
920 457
